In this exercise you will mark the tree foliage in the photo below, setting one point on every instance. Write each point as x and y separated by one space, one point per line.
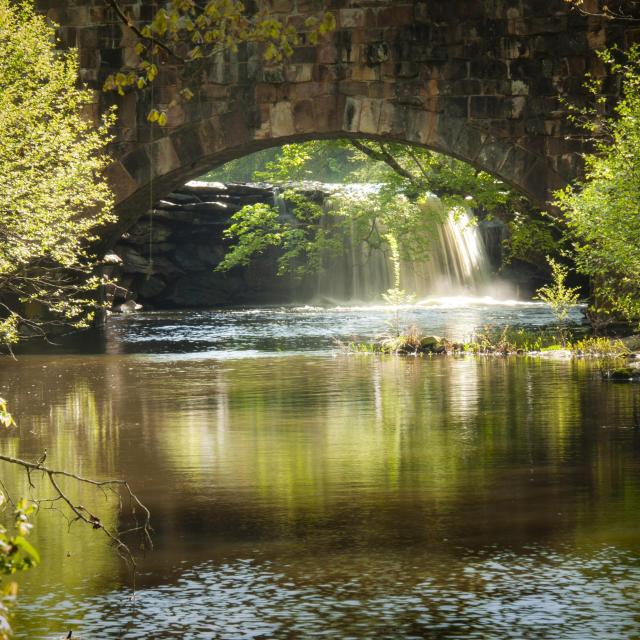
409 193
187 32
603 210
560 297
53 195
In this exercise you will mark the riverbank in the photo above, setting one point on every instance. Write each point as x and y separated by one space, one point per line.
505 341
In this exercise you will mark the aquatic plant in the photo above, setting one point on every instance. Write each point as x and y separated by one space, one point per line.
560 298
600 347
509 339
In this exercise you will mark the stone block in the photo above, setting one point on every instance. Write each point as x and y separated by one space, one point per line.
492 156
387 116
303 116
369 116
468 143
282 120
352 110
165 158
298 72
445 132
351 18
328 112
481 107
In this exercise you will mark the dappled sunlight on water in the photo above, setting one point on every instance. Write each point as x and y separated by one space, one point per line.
534 593
326 495
309 329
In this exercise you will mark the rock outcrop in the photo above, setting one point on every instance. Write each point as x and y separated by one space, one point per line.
168 259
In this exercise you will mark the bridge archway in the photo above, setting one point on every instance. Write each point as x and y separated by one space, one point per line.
520 168
481 81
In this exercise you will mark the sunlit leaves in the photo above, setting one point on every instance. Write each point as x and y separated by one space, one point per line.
401 209
6 419
603 210
16 553
53 195
184 32
560 297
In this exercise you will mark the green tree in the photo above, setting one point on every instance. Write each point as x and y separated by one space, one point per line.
603 210
400 207
53 195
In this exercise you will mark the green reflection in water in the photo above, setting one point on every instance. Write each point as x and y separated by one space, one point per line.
305 456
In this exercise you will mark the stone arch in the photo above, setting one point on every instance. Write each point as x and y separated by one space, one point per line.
175 159
480 80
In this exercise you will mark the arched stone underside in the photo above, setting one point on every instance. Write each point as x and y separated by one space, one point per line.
481 80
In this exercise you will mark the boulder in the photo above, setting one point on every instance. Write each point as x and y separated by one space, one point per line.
622 374
148 231
130 306
151 287
432 344
132 261
112 258
188 258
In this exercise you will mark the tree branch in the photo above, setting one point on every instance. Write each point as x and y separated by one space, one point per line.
84 515
126 20
382 155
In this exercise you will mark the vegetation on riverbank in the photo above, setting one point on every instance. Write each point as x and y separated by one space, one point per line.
53 191
54 195
500 341
602 211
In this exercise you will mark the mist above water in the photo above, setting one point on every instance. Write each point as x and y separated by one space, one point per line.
456 266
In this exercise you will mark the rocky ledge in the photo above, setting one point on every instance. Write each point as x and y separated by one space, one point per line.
168 259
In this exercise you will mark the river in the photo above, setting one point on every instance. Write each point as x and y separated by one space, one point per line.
300 492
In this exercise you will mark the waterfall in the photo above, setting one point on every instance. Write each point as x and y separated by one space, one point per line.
457 264
280 204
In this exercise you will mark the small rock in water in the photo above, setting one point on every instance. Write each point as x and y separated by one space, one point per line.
622 374
112 258
130 306
433 344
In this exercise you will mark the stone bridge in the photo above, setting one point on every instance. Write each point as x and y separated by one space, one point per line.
480 80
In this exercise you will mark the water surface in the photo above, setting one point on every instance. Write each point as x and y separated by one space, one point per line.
299 492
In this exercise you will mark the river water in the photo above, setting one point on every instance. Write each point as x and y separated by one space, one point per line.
299 492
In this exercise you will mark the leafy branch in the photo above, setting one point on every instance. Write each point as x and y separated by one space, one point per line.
186 32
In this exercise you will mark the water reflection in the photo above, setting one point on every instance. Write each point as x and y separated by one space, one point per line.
344 496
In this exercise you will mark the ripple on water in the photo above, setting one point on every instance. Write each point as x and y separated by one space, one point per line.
535 593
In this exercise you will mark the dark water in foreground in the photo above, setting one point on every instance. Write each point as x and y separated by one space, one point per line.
317 494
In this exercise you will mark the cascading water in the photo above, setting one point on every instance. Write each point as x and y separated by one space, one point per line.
456 264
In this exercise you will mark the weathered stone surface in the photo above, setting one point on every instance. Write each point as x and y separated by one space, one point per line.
477 79
180 273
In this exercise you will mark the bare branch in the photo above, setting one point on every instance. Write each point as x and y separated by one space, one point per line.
82 514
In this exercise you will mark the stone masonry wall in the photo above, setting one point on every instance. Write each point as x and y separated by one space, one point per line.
168 258
481 80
